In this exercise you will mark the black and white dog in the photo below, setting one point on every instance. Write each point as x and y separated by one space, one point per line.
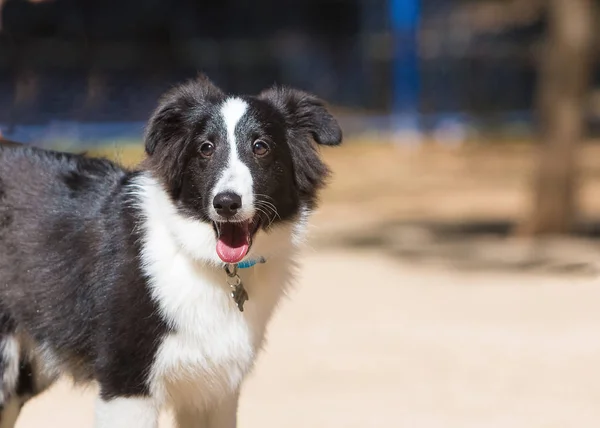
124 277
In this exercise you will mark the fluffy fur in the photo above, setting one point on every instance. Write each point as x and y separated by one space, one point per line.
111 275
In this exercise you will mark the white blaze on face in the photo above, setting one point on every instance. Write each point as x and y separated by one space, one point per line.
236 176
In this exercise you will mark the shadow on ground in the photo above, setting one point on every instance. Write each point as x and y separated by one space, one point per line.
480 245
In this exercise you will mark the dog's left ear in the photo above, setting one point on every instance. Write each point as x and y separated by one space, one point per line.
305 113
306 118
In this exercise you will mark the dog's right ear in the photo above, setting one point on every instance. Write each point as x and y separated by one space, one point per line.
170 121
177 116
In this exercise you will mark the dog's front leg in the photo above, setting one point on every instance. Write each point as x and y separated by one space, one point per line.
126 412
187 417
225 414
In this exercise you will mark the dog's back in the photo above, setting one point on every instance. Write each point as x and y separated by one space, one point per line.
49 204
50 228
40 189
8 143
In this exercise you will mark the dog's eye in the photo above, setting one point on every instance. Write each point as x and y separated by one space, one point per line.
207 149
260 148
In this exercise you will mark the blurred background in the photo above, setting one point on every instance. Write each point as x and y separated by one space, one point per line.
451 275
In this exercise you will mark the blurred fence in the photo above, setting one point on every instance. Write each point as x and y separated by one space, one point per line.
93 70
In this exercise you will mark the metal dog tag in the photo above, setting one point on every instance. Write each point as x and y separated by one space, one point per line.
239 294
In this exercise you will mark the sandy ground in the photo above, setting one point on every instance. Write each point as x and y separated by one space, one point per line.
366 341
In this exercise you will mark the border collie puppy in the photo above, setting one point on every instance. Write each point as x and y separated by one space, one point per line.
157 283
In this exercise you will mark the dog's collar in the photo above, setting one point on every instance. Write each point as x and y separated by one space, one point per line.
249 263
239 294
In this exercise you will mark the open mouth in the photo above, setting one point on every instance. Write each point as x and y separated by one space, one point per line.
234 239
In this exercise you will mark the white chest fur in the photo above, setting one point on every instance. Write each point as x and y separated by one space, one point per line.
213 345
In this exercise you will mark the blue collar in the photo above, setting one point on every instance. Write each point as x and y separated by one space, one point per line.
249 263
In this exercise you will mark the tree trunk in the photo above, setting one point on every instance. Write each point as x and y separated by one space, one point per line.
562 94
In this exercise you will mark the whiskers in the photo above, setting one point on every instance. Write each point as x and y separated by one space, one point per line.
266 208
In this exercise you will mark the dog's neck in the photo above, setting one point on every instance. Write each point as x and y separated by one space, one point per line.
179 258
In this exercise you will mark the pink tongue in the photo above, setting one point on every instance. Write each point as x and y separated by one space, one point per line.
233 242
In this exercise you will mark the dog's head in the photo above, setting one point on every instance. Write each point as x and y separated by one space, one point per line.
240 163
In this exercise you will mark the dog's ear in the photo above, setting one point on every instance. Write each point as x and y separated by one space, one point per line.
307 119
180 112
171 119
305 113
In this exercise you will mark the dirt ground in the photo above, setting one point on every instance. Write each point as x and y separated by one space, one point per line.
380 182
366 341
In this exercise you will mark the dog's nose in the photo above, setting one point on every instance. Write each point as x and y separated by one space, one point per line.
227 204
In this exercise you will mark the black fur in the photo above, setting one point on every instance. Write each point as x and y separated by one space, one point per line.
25 383
71 284
306 117
69 266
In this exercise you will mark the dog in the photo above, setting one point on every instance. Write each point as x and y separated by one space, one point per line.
5 142
157 282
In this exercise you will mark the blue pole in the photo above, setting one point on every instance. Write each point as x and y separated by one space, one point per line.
405 19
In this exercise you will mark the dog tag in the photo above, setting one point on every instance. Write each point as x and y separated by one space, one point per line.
239 294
